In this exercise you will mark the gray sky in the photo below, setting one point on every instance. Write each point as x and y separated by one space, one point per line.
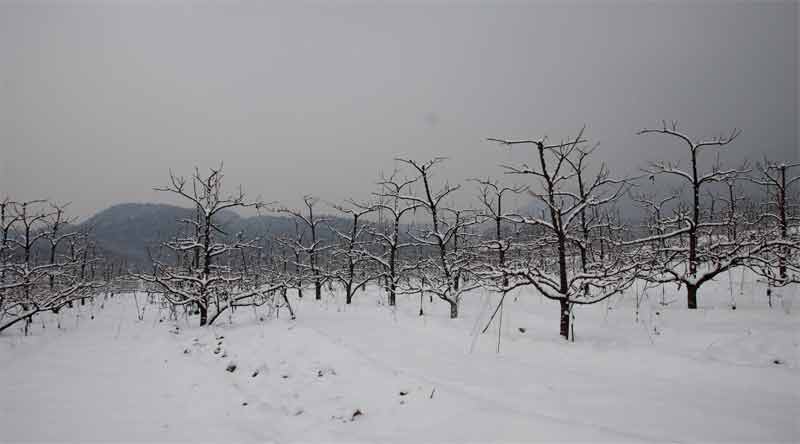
98 101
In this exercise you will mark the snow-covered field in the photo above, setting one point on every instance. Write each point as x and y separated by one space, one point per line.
714 374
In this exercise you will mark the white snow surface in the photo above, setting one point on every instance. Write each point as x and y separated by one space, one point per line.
713 374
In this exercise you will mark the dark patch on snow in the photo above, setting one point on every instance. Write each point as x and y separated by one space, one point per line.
325 371
231 367
356 414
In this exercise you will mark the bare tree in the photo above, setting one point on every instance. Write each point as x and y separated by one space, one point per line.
391 188
290 278
491 199
212 285
351 251
314 247
560 169
8 218
773 176
24 287
296 246
264 279
55 235
706 255
439 273
657 224
460 246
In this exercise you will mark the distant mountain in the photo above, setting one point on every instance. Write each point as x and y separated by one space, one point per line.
125 231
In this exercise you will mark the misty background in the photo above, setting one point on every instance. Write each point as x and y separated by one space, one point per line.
100 100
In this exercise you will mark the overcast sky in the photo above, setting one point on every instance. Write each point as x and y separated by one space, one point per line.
99 101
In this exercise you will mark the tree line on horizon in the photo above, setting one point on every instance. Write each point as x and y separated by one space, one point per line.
572 244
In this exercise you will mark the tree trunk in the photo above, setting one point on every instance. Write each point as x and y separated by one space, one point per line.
564 325
453 309
214 318
317 290
691 296
203 314
288 305
392 294
26 318
349 293
391 282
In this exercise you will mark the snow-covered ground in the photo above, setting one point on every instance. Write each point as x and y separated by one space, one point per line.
714 374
